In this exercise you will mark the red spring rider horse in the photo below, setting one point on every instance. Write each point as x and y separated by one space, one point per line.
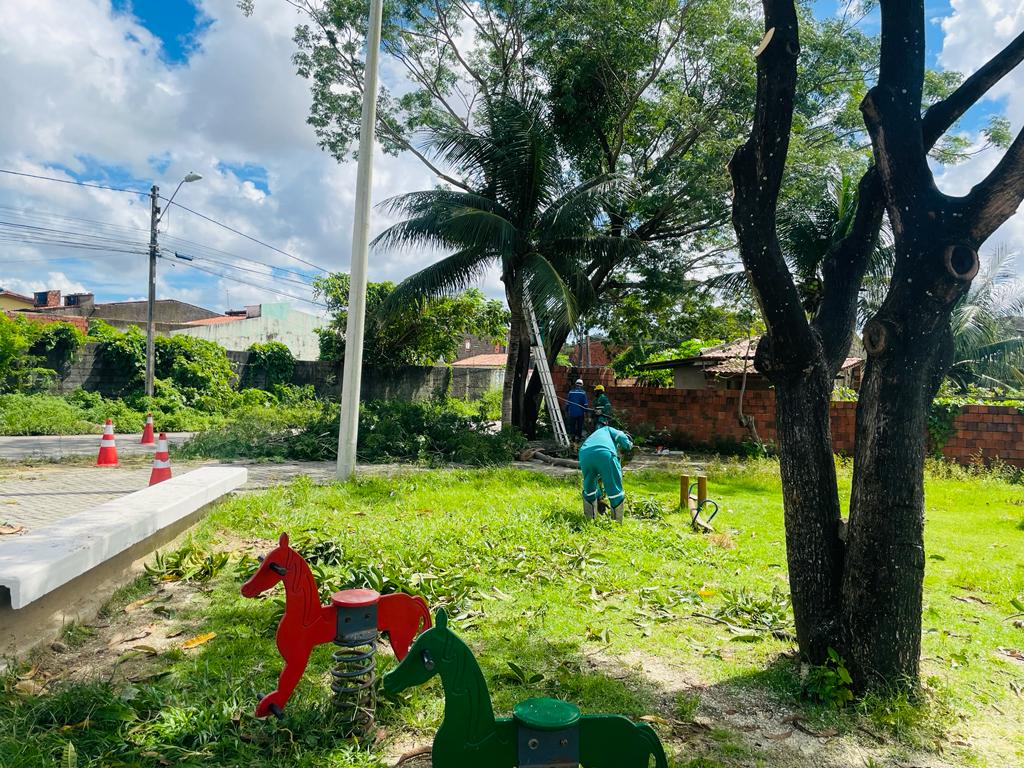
352 621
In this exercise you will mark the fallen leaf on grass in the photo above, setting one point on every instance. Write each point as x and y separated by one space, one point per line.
1011 653
654 719
176 633
194 642
134 605
9 530
972 599
121 638
28 687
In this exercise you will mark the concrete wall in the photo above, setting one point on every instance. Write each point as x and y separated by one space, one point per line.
10 302
277 322
406 383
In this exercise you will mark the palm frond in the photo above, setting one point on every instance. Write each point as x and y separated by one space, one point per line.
547 290
446 277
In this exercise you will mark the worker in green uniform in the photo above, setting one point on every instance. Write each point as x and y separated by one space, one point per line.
599 460
602 407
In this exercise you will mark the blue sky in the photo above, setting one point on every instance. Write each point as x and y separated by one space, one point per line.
177 23
129 93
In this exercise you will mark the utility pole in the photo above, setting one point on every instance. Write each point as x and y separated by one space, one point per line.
348 428
154 218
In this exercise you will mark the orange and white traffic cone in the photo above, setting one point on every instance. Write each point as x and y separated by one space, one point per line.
147 431
108 449
161 462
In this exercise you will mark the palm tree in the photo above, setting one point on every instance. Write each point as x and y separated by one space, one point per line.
988 335
520 215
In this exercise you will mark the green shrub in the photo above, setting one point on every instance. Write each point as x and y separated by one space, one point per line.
42 415
199 369
388 431
271 364
20 369
58 343
124 352
829 683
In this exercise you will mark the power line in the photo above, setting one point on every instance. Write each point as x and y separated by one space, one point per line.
72 181
190 244
50 218
170 202
245 282
117 232
229 265
247 237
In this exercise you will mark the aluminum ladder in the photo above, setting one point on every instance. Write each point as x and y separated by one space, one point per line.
540 361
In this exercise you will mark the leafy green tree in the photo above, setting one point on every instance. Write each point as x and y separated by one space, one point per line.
521 215
658 91
416 333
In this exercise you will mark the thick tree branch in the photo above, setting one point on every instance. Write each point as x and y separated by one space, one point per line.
757 169
941 115
845 266
843 272
997 197
892 113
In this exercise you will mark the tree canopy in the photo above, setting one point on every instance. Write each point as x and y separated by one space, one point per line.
419 333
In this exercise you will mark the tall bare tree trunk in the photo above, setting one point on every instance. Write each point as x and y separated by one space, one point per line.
864 598
517 365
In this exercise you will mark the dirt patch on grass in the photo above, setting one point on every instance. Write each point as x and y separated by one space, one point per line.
743 727
123 643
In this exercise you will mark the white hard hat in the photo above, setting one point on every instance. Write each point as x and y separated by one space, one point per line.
579 382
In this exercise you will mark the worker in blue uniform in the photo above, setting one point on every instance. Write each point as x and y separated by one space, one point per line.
599 460
576 410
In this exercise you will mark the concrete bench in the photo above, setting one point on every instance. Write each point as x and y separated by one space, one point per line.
40 562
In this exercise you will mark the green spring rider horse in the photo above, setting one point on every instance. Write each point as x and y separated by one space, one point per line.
542 733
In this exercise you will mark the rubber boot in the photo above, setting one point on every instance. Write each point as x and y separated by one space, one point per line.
617 511
588 510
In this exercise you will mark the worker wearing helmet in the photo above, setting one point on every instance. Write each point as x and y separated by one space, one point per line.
576 410
599 460
602 407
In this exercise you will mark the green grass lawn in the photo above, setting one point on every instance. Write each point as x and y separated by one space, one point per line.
598 613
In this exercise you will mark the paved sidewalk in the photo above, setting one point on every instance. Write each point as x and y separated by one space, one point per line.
59 446
34 497
37 497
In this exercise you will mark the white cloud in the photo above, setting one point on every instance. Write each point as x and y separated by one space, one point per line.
973 33
52 281
83 84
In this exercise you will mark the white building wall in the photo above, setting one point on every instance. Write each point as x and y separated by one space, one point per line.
296 330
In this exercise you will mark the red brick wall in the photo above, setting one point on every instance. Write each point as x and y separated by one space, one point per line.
706 416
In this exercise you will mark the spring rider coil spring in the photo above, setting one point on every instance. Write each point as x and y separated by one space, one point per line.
354 674
352 621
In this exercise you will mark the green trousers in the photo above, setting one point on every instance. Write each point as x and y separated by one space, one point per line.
600 463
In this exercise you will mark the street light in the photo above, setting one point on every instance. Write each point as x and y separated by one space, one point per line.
155 216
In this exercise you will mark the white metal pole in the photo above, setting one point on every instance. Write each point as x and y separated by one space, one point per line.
348 430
